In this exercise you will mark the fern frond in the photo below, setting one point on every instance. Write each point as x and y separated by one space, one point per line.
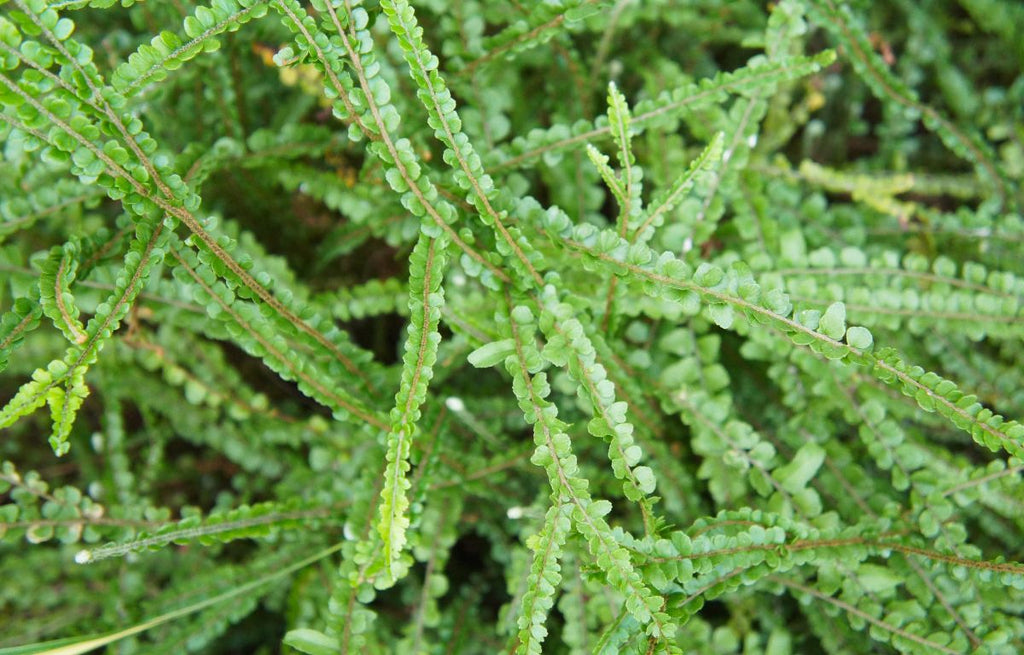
568 345
705 164
259 521
492 206
823 332
544 578
152 62
554 454
61 384
55 293
758 77
896 294
426 297
541 24
22 318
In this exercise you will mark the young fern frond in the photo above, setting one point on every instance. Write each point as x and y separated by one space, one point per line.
656 212
631 204
600 162
426 297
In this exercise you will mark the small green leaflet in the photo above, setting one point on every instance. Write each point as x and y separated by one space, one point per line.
492 353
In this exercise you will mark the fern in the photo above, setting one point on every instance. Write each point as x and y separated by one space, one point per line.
427 264
574 326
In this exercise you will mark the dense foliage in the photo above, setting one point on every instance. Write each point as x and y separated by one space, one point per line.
475 326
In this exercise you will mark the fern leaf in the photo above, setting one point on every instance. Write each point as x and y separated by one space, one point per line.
759 77
824 333
568 343
22 318
667 200
32 395
544 578
55 292
64 404
426 269
554 454
492 206
600 162
542 22
260 521
167 51
630 201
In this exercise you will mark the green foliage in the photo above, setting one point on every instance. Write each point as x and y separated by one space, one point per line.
567 326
